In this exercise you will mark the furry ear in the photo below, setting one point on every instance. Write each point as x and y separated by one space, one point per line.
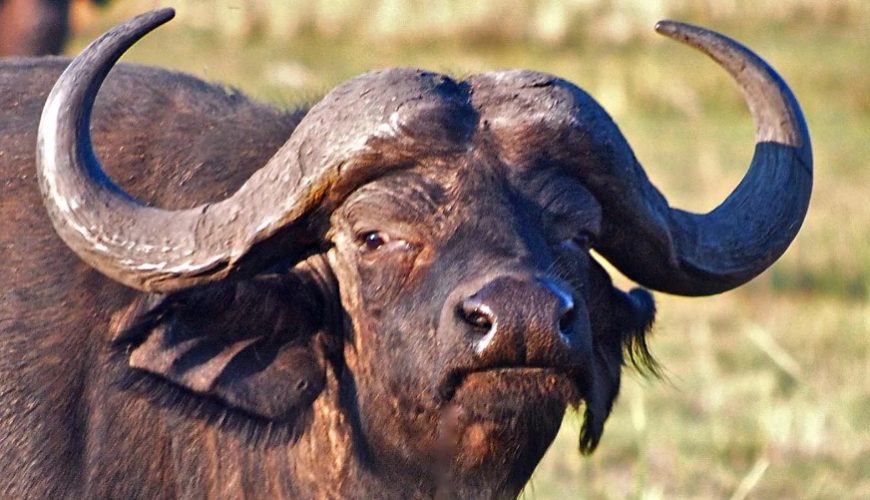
250 345
620 322
636 311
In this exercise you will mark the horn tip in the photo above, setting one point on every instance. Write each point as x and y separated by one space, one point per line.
671 29
162 15
664 26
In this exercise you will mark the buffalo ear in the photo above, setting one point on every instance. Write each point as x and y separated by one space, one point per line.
250 345
636 311
275 388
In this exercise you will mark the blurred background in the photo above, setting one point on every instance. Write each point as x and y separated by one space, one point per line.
766 389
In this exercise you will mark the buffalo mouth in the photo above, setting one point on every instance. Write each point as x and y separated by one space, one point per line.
501 415
494 390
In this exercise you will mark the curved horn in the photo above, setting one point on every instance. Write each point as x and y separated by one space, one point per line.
713 252
540 120
140 246
279 213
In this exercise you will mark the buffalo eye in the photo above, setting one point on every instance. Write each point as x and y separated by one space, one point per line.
373 240
581 242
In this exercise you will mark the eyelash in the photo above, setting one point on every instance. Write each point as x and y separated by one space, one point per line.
373 241
580 242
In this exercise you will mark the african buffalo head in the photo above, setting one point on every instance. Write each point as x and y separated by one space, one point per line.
448 225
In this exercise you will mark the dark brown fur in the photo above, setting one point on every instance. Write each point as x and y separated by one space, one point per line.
402 303
169 148
108 393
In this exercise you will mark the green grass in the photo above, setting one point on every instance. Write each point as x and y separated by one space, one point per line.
767 388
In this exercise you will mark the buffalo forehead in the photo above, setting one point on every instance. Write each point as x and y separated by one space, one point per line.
406 104
398 104
528 114
403 115
504 98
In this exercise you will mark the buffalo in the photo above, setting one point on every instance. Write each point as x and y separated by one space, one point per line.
33 27
389 294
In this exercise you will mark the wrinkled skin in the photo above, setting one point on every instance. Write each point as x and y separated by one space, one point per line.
351 374
496 222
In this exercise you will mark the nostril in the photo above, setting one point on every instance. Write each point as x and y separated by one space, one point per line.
564 304
569 314
301 385
476 314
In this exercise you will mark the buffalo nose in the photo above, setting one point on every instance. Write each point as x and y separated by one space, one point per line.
519 320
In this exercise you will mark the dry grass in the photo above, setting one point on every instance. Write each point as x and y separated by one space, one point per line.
768 387
553 22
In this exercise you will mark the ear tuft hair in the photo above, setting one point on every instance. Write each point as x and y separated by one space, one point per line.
639 315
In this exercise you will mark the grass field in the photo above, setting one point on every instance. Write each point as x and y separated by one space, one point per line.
766 392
